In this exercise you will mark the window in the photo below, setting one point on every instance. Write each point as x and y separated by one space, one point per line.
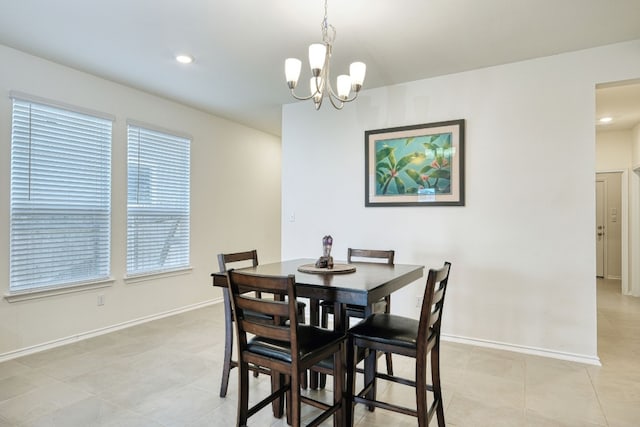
157 201
60 196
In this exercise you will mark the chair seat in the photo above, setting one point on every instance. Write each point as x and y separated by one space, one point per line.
356 310
388 329
301 307
255 314
310 339
327 363
266 317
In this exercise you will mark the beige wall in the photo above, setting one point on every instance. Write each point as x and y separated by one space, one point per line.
635 138
235 205
634 217
614 150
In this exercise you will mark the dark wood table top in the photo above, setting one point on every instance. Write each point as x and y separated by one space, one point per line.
369 283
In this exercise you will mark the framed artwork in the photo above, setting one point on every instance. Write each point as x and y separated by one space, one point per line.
418 165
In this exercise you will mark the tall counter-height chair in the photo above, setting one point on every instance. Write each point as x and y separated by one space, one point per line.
237 260
409 337
358 311
287 349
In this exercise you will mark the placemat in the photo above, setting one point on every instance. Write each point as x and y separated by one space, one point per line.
337 269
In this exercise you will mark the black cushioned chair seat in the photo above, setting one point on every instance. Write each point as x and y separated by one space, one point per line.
328 362
258 315
388 329
378 307
310 339
266 317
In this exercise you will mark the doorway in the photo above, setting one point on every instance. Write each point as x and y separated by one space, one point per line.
609 225
618 150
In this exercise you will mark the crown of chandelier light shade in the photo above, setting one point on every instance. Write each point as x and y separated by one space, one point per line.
320 82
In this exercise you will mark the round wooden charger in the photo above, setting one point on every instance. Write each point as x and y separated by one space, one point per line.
337 269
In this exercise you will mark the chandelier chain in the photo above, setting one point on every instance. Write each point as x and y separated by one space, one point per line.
327 37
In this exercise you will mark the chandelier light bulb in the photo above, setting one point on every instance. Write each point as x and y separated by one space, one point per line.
317 53
357 71
344 86
292 67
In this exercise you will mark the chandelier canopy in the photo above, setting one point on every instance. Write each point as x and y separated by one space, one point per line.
320 63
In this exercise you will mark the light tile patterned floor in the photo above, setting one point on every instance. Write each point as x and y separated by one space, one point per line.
167 373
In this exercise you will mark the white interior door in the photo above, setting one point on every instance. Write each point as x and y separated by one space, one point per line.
600 229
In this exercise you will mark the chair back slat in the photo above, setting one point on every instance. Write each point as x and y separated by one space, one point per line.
260 310
259 305
239 260
432 305
250 258
274 331
370 255
435 316
438 295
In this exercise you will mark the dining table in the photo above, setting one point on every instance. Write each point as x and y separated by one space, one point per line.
362 283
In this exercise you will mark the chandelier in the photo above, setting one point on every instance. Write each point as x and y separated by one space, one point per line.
320 82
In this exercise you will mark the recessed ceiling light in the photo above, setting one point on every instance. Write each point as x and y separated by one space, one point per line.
184 59
606 119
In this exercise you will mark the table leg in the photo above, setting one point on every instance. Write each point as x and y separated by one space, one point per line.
370 366
341 323
314 319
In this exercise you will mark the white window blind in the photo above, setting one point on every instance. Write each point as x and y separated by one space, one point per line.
60 197
158 201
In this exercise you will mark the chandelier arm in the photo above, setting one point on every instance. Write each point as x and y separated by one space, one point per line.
335 100
353 98
334 95
318 103
338 105
301 98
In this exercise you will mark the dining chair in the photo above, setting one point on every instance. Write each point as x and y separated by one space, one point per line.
417 339
357 311
237 259
287 349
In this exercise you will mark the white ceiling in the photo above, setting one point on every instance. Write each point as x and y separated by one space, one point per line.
240 45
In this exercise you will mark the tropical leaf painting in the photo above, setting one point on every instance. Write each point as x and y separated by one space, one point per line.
409 165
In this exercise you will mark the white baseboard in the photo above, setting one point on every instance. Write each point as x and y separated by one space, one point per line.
589 360
101 331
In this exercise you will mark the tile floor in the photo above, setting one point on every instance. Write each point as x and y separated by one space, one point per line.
166 373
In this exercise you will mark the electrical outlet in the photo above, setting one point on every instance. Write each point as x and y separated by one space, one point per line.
100 299
418 301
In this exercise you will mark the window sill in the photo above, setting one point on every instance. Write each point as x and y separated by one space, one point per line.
49 292
144 277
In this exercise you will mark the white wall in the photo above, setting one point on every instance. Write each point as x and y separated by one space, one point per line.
235 205
522 248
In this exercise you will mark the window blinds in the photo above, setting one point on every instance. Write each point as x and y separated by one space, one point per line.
158 201
60 196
